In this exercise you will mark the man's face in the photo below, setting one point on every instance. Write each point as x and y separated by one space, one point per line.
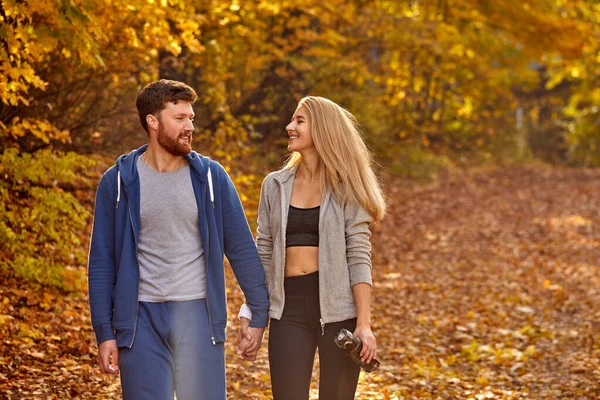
175 128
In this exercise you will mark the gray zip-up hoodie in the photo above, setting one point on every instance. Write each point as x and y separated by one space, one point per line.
344 247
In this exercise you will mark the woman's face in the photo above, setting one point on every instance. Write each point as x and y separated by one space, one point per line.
299 131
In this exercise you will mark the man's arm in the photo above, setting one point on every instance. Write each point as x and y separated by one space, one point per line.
242 254
102 275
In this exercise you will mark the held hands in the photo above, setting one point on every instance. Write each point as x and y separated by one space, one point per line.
369 344
108 357
249 340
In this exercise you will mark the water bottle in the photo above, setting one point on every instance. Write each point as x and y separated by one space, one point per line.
352 345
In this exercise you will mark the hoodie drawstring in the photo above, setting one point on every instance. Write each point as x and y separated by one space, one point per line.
118 187
210 188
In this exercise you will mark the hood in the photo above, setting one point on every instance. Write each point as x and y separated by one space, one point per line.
128 174
126 164
285 173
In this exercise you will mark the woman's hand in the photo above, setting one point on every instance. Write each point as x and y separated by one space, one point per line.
247 345
369 344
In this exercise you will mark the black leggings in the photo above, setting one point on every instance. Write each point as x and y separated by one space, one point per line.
292 343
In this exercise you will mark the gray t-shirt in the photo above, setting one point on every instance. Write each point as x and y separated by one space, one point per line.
170 253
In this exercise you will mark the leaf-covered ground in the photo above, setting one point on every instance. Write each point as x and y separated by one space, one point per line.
487 287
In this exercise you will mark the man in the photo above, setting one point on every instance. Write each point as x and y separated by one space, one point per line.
164 218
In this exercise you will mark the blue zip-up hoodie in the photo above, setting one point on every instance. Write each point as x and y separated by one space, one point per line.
113 271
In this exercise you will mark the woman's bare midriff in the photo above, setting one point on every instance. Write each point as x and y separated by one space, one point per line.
301 260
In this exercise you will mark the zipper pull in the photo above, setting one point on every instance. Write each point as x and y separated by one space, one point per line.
212 338
322 326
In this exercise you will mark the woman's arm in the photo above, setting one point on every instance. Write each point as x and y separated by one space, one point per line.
358 255
362 299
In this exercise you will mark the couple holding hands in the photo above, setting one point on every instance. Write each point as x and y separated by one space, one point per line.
165 217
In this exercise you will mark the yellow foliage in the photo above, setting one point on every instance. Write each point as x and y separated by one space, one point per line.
424 79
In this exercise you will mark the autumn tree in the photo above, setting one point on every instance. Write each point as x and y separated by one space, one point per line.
581 74
40 216
431 81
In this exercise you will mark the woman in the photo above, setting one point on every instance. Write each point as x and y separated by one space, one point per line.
313 240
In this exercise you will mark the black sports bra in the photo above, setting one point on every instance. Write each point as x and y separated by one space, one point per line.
302 227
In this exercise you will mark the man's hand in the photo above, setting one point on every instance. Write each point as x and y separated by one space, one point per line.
249 340
245 340
108 357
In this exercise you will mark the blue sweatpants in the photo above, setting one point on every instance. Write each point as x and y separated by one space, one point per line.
173 352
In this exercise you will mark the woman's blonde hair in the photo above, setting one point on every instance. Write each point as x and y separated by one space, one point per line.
347 162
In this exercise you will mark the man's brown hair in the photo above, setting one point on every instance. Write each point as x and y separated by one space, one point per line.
155 96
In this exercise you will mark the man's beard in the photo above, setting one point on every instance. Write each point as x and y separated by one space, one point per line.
172 144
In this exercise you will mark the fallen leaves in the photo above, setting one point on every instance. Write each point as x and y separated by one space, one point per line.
490 271
486 287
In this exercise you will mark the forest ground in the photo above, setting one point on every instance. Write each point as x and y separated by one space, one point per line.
487 286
